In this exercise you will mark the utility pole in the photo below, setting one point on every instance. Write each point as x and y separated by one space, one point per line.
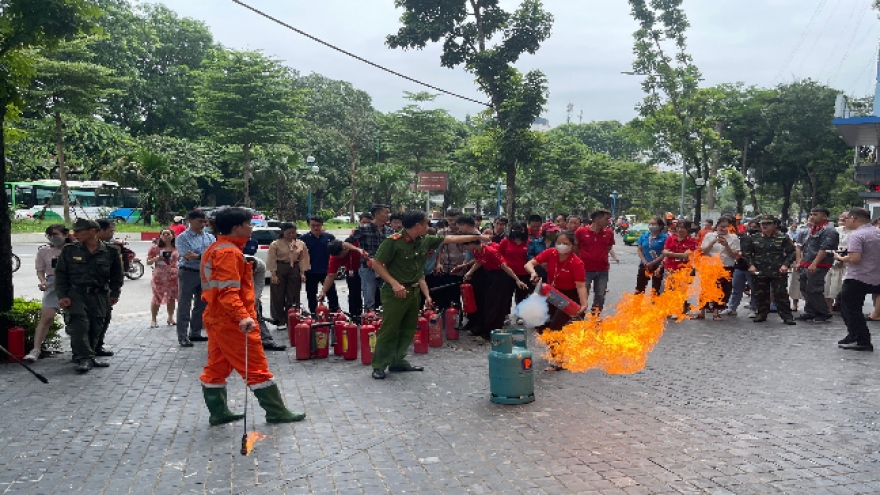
581 117
568 110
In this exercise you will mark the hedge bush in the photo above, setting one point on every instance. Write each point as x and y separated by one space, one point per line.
25 313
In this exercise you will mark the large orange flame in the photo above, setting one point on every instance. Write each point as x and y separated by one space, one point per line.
620 342
252 438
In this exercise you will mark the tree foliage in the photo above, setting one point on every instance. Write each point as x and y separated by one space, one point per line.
467 28
247 99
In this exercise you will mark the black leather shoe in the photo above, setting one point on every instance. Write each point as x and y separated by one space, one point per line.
790 321
406 368
84 366
379 374
103 352
857 347
846 340
274 347
185 343
760 319
197 338
805 317
100 364
822 318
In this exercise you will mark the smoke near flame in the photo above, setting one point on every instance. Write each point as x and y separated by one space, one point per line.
252 438
619 343
533 310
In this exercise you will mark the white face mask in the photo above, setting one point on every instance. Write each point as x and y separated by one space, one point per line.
56 241
563 248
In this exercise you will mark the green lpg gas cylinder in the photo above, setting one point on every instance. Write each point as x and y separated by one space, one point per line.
511 379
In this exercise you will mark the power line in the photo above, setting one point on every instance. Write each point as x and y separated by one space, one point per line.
352 55
850 45
828 18
800 42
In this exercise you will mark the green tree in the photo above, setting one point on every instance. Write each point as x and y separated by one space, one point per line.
247 99
608 136
678 119
68 83
158 53
468 27
341 129
27 24
166 172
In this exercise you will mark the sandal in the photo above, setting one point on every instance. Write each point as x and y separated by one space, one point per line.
153 324
698 317
171 323
716 317
871 318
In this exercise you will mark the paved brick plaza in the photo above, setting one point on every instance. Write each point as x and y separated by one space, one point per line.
730 407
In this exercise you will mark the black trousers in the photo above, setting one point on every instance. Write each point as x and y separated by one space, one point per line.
496 294
852 298
449 296
642 280
312 281
355 301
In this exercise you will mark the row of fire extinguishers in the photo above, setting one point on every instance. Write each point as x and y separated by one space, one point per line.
311 334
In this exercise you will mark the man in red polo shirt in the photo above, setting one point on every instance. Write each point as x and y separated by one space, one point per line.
594 244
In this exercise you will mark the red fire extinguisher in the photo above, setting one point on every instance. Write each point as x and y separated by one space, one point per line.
469 303
420 339
303 337
368 343
322 339
368 317
350 342
322 313
435 329
294 317
451 323
16 342
338 333
560 300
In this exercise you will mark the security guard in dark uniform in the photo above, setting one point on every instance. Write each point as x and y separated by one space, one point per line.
770 255
88 280
400 261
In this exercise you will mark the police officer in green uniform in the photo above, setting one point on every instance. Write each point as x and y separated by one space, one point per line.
770 255
400 261
88 279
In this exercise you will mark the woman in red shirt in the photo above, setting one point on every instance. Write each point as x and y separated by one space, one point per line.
566 273
513 249
495 289
678 249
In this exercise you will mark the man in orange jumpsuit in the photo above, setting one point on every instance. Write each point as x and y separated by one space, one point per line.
230 320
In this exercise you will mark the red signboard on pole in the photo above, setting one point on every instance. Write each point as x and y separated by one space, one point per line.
433 181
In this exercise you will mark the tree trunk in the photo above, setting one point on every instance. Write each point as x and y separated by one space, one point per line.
62 167
6 296
716 157
511 190
247 175
353 158
698 206
786 201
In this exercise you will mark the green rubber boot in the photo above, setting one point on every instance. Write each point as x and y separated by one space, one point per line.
215 399
270 400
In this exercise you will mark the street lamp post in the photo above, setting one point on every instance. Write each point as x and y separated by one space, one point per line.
310 161
614 195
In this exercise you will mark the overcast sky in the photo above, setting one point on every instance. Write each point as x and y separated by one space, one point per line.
758 42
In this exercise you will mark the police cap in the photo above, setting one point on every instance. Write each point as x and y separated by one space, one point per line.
768 219
84 224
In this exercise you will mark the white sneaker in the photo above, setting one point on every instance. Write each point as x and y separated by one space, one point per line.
731 312
281 327
32 356
752 314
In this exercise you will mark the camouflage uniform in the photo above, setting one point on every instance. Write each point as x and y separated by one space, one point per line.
768 254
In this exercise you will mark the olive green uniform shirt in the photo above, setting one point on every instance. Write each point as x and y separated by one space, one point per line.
80 273
405 257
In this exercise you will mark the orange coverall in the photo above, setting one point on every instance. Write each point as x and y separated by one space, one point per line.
228 288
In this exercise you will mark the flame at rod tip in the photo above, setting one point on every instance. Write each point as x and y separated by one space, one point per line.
252 438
